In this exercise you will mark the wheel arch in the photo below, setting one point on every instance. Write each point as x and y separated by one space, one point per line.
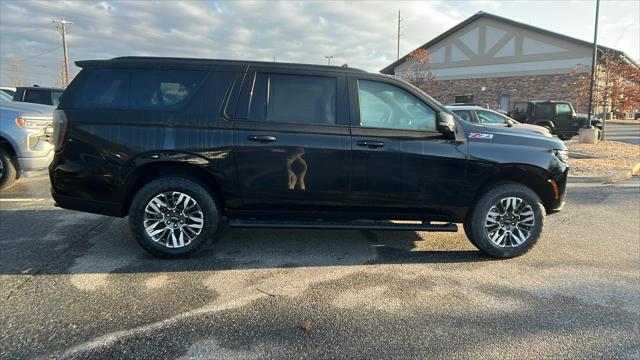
146 173
7 145
532 177
545 123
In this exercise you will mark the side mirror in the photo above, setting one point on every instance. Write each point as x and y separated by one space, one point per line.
446 123
509 122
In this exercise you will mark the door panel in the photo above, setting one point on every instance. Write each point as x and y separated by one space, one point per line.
296 164
564 118
401 167
285 158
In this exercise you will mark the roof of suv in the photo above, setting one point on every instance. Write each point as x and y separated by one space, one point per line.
543 101
159 61
40 88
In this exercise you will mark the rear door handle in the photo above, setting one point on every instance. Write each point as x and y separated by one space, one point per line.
262 138
370 143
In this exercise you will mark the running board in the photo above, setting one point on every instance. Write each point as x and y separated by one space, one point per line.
334 225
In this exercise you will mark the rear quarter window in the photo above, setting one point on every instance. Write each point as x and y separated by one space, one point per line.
137 89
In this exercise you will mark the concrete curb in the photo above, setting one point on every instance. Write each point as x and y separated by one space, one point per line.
619 176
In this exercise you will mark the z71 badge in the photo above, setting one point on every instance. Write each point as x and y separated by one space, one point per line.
480 136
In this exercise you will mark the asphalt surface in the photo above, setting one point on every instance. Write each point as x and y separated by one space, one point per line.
76 285
629 133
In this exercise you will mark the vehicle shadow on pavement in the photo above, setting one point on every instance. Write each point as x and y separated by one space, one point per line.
72 242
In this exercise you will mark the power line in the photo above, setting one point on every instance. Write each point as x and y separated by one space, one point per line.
38 55
4 33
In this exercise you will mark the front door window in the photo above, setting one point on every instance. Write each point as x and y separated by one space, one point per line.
384 105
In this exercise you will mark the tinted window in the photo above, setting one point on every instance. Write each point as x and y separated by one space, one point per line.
388 106
544 110
38 97
463 99
297 99
521 107
137 89
464 114
258 109
488 117
163 89
563 109
103 88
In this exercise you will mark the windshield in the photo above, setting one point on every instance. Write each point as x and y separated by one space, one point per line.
5 96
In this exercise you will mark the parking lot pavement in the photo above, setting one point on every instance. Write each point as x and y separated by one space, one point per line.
75 285
629 133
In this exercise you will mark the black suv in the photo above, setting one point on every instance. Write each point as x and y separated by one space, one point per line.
38 95
183 145
557 116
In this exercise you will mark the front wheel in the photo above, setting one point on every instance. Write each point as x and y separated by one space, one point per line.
8 170
173 217
565 137
506 222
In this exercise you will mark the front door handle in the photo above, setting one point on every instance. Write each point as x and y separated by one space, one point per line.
370 143
262 138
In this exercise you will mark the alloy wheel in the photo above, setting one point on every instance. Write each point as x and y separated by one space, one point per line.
173 219
509 222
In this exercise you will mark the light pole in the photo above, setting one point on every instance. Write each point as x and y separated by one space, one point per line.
594 63
329 57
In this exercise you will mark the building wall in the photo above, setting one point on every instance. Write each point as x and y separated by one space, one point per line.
518 88
490 48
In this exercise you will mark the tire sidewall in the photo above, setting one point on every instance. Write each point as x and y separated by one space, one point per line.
9 171
479 234
192 188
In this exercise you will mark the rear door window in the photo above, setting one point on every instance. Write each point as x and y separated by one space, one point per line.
38 97
464 114
544 110
296 99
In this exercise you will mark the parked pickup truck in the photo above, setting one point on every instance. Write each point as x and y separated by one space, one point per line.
558 117
25 139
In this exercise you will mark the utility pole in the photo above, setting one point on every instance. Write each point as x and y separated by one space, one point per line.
62 25
594 64
398 42
329 57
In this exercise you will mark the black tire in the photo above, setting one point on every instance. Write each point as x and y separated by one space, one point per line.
9 172
475 223
565 137
206 202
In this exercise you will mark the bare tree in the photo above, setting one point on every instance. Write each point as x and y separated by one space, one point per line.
617 87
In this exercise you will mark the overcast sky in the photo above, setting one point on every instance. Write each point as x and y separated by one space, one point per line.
362 34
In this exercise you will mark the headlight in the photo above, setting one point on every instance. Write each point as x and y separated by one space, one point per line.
28 123
562 155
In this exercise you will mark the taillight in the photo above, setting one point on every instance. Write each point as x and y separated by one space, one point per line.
59 128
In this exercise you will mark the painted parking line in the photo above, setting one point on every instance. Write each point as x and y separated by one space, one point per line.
22 200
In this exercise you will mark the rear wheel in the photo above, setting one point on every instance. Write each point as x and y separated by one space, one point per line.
506 222
565 137
8 170
173 217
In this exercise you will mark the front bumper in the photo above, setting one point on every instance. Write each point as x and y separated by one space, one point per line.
561 184
36 163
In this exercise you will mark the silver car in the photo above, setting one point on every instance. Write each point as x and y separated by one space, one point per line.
480 115
26 133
